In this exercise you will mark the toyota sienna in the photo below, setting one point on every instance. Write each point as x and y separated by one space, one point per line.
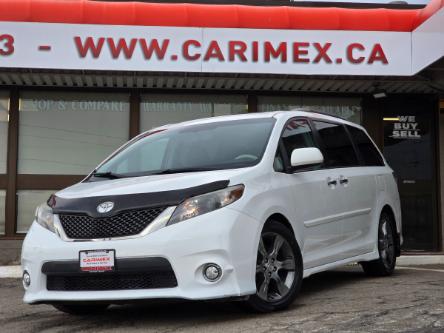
236 207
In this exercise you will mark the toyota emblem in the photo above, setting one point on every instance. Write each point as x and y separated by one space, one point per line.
105 207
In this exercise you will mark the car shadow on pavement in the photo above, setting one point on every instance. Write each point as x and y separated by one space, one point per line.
203 312
328 280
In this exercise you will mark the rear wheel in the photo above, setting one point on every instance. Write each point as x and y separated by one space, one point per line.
278 269
81 309
385 264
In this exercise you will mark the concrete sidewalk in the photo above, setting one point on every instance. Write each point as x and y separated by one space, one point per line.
403 261
10 272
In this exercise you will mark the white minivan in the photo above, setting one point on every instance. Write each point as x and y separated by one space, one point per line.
236 207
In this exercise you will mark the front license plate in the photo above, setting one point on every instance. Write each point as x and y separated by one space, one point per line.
97 260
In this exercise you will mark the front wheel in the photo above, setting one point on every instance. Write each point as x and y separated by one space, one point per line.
279 269
385 264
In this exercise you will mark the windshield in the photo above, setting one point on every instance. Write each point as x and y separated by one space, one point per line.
200 147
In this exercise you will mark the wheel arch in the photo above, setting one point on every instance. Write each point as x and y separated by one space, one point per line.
281 218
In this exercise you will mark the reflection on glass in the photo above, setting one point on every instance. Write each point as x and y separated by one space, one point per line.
70 133
409 148
27 202
217 145
158 110
347 108
2 211
4 107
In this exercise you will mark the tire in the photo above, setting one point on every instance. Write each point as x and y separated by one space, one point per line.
81 309
279 269
385 264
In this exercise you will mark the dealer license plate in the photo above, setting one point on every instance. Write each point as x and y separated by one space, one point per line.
97 260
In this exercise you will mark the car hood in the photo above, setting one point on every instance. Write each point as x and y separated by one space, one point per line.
150 184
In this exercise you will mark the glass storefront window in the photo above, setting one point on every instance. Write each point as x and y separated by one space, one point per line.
27 202
161 109
409 148
4 119
70 133
345 107
2 211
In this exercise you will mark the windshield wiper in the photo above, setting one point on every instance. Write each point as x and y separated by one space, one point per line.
109 175
180 170
112 175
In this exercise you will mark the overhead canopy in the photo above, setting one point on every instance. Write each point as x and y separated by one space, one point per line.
50 57
224 82
215 16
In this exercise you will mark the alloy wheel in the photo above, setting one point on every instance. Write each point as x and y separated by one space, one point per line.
386 244
275 267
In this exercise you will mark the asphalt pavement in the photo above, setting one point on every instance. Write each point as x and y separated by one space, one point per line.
344 300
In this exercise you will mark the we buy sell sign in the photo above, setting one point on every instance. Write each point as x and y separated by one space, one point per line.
209 50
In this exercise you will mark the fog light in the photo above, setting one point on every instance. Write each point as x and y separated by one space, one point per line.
26 279
212 272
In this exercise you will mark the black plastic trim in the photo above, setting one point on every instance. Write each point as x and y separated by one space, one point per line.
88 205
129 265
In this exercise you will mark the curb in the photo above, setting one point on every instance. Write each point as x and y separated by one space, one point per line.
418 260
12 272
15 272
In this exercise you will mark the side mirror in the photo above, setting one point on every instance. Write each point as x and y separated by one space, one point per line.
305 157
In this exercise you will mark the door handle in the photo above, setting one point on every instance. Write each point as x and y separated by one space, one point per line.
332 182
343 180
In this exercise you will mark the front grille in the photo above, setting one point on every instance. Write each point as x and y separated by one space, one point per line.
111 281
127 223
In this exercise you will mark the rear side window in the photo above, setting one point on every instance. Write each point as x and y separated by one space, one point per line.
338 148
369 153
297 134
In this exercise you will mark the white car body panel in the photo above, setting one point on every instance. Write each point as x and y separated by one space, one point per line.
332 226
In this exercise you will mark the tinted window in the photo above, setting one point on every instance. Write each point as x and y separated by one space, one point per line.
278 164
367 149
338 150
297 134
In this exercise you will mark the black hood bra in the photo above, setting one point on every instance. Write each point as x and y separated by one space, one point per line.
134 201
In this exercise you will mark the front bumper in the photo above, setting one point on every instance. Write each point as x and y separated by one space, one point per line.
225 237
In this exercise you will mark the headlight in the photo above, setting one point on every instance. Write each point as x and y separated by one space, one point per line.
45 217
206 203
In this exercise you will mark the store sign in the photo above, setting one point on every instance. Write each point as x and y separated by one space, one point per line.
406 127
51 105
428 42
209 50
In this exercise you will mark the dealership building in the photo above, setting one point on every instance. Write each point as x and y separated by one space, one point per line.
79 78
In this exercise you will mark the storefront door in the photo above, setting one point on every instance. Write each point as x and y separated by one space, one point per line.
409 147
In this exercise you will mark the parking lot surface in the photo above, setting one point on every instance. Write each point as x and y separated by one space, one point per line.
344 300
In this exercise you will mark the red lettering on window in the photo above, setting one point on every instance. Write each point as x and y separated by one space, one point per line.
271 52
89 45
377 54
322 53
154 47
121 46
8 45
350 53
214 51
237 48
255 51
299 50
186 50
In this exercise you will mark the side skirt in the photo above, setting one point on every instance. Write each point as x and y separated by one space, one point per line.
364 257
